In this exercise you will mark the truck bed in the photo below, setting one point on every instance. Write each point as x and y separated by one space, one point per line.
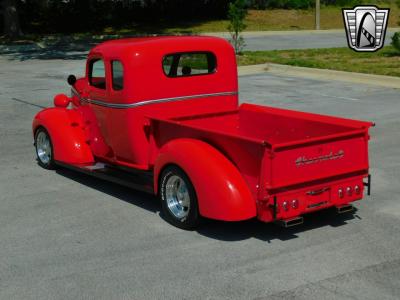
298 147
272 126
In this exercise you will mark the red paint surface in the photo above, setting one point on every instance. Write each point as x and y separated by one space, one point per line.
238 157
66 129
223 192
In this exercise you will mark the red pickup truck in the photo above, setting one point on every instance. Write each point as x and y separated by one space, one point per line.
161 114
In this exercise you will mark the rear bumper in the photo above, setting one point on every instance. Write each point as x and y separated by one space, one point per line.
293 203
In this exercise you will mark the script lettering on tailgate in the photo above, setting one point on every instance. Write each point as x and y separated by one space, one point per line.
303 160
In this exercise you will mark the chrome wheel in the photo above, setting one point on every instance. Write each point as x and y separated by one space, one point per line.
177 197
43 148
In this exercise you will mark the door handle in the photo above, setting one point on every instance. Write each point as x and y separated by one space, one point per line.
317 192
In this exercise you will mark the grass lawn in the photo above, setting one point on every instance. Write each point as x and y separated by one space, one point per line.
281 19
383 62
259 20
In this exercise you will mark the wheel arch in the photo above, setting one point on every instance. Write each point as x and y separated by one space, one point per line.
221 190
35 129
66 130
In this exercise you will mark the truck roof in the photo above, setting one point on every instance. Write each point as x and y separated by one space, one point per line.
143 66
165 44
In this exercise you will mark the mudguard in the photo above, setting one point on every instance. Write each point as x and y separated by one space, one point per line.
221 190
67 134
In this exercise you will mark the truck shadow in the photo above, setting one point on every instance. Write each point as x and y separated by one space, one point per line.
141 199
218 230
236 231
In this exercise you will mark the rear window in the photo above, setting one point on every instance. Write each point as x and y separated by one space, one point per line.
189 64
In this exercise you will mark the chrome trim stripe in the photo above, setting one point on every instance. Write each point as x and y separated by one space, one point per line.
152 101
75 92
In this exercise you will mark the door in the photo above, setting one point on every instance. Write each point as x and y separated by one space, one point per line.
97 112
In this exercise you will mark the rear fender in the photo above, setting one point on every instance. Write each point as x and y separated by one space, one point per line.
66 129
221 190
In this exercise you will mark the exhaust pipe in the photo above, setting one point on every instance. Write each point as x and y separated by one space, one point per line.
344 208
290 222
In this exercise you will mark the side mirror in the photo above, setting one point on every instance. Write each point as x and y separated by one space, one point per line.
71 79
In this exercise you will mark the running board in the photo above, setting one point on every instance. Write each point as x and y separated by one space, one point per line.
132 178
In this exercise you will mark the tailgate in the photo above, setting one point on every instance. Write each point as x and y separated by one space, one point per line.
308 161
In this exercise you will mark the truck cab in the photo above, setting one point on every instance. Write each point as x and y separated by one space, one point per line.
161 114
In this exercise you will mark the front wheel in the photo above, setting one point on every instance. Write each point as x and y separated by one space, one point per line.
44 149
178 198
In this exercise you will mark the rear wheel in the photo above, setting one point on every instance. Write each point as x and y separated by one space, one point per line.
178 198
44 149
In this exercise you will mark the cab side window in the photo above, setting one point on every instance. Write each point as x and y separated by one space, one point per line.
97 74
117 75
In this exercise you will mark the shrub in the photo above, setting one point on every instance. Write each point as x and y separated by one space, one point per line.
396 41
258 4
396 36
299 4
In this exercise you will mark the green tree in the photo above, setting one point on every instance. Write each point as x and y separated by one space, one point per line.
11 25
237 13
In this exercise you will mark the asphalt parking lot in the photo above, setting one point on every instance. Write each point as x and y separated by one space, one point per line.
68 236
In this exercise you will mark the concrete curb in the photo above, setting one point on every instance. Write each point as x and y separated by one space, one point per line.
352 77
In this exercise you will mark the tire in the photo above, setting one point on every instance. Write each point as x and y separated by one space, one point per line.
178 198
44 149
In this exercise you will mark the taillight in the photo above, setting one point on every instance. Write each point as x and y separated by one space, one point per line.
295 203
285 205
357 190
349 191
340 192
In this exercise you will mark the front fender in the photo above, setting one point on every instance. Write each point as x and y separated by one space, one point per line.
66 129
221 190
